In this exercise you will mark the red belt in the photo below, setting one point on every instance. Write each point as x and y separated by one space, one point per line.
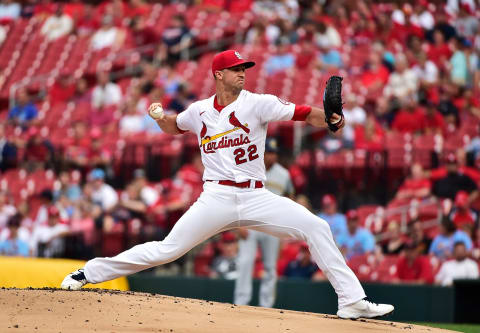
245 184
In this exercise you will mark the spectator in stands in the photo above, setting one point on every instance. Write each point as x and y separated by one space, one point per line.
3 34
403 81
224 266
105 93
57 25
413 267
439 52
426 71
138 197
442 245
458 62
176 38
131 122
13 245
38 151
370 136
375 76
410 118
24 113
46 200
108 36
357 240
462 216
77 147
282 60
416 186
433 119
336 220
9 10
417 236
62 90
303 200
99 154
256 35
355 116
8 151
182 99
87 23
302 267
396 241
449 185
460 267
327 36
142 34
191 174
81 93
328 59
47 240
466 24
6 209
101 195
448 109
69 187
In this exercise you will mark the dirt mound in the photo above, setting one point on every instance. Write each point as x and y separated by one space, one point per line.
53 310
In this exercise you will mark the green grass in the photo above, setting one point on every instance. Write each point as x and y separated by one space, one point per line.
466 328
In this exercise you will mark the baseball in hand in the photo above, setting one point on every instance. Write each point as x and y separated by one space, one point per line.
156 111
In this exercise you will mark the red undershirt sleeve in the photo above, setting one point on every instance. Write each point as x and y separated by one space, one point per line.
301 112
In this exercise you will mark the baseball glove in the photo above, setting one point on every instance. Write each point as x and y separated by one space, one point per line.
332 102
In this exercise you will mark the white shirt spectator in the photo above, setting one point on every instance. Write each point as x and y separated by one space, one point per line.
331 38
48 234
9 10
104 38
453 269
398 17
354 116
22 234
149 196
109 94
105 196
425 20
57 26
427 73
5 212
401 84
131 124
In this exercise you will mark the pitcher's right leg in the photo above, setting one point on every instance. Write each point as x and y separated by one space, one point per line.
207 216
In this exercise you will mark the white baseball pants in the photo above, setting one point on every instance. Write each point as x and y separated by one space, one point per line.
221 208
247 252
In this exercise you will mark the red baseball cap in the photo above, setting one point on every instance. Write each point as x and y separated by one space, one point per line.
461 199
227 59
328 199
352 214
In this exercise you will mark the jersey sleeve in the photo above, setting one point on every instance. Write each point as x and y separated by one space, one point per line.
186 120
273 108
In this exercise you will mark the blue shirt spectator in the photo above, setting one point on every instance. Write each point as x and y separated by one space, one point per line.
356 241
442 245
336 221
14 247
281 61
24 111
459 65
331 58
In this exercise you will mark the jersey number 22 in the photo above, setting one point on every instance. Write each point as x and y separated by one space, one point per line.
240 154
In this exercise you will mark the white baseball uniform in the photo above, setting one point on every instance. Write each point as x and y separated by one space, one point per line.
232 143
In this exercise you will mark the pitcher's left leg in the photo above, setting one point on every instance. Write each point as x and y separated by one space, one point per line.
283 217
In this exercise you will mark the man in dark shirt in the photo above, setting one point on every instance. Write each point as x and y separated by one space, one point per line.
302 267
454 181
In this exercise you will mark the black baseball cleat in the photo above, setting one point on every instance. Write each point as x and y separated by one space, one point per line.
75 280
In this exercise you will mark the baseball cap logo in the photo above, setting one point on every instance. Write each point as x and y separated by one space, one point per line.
238 55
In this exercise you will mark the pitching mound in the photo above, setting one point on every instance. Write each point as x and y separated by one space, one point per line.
53 310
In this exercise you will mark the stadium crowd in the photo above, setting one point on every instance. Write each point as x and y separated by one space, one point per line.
412 76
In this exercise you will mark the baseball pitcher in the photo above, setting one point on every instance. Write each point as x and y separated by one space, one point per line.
231 127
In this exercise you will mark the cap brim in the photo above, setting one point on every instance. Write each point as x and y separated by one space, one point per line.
247 64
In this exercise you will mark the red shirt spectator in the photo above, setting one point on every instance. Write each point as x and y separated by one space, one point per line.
409 121
414 268
433 121
416 186
62 90
370 136
461 215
